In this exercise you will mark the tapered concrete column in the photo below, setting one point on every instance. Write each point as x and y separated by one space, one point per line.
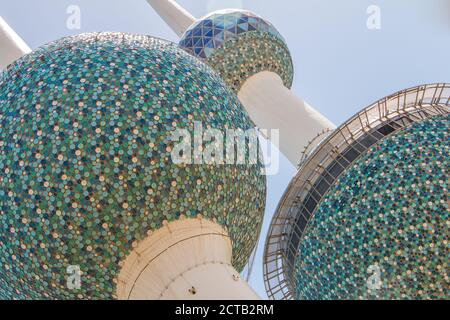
177 18
186 259
273 106
12 47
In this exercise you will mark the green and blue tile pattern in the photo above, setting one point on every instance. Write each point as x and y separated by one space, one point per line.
85 165
388 212
239 44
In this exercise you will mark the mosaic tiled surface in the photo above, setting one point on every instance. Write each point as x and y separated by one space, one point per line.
239 44
235 61
388 211
85 167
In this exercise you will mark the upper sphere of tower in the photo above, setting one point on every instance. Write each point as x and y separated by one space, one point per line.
239 44
86 169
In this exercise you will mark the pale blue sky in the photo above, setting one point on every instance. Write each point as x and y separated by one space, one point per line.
340 65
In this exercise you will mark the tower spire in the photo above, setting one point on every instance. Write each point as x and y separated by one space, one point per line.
173 14
12 47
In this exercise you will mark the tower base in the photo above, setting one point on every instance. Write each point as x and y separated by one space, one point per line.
188 259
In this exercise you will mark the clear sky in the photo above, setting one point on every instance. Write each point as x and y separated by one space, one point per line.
340 65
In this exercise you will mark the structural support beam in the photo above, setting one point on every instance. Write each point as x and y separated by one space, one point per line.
173 14
12 47
273 106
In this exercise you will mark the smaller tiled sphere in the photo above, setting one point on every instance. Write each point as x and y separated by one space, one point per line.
383 229
239 44
85 161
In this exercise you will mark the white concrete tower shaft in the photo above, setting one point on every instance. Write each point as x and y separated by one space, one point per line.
12 47
187 259
271 105
173 14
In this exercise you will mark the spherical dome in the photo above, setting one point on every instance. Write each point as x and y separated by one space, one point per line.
85 159
239 44
382 229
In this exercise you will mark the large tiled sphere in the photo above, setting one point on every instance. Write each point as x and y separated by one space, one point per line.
239 44
382 231
85 160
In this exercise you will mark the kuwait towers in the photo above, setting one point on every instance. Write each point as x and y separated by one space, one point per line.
88 185
367 215
88 181
254 60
